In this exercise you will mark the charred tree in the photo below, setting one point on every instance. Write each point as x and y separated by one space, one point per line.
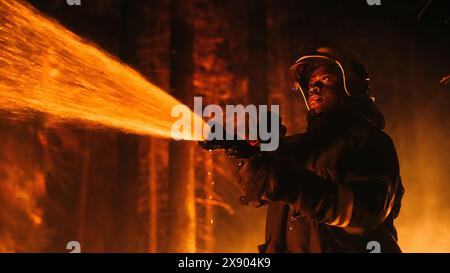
85 178
181 192
130 230
282 52
257 53
153 49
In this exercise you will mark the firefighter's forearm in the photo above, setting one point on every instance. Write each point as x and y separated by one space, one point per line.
360 204
324 198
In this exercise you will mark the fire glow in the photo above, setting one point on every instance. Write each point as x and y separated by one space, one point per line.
46 68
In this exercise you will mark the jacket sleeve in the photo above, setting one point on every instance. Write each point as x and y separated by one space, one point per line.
361 199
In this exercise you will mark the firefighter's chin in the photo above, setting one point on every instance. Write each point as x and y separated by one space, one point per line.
316 105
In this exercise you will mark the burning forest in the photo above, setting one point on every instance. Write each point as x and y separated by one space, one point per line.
86 124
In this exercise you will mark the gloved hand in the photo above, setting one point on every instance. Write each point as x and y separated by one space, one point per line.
260 180
233 148
242 149
237 148
264 179
254 178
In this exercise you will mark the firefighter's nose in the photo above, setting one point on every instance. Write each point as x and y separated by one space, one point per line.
314 91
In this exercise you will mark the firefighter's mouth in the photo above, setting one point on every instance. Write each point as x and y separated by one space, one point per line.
315 99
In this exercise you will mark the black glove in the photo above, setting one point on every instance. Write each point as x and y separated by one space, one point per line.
237 148
261 183
233 148
265 179
254 178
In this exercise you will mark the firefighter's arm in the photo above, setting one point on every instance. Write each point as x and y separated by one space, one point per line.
361 200
257 175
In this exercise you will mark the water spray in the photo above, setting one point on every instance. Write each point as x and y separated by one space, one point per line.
46 68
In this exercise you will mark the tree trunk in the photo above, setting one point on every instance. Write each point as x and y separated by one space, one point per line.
129 232
257 53
85 178
181 195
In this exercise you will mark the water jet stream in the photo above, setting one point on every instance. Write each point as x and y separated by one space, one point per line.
46 68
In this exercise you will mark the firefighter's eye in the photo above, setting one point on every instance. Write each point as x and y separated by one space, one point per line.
325 79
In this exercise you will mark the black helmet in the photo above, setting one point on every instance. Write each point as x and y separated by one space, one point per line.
354 75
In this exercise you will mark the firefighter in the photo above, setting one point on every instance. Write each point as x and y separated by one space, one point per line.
336 187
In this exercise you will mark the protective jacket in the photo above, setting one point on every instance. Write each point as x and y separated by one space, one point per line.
339 184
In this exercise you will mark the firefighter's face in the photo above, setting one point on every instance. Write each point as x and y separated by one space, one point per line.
323 89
